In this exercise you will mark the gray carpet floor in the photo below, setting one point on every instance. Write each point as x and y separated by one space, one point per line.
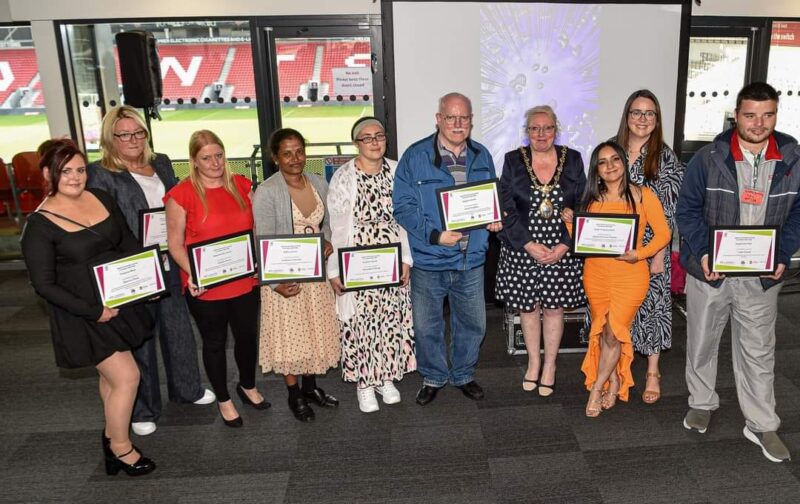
511 447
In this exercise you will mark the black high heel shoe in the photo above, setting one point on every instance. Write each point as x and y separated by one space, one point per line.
114 464
246 400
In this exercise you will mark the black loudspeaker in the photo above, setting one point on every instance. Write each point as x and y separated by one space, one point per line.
140 68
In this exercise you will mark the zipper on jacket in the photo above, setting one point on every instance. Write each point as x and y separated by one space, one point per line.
428 181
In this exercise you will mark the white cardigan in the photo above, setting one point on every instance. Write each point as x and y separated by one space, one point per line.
342 193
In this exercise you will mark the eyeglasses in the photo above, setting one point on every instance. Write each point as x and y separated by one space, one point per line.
452 119
128 136
380 137
536 130
650 115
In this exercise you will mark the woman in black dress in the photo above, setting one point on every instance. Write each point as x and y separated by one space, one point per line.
72 229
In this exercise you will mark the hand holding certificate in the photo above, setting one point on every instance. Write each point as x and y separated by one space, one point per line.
222 260
129 279
370 267
743 250
469 206
604 235
291 258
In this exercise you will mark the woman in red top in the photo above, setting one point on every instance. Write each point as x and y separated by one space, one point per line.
210 204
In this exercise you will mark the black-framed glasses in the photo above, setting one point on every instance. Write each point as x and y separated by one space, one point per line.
453 119
547 130
380 137
650 115
128 136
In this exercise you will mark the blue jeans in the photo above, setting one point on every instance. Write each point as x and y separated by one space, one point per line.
467 323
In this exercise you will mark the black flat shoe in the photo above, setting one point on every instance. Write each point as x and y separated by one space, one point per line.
302 411
139 468
474 391
246 400
426 394
235 423
320 398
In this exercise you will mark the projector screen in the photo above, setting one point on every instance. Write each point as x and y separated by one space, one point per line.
583 60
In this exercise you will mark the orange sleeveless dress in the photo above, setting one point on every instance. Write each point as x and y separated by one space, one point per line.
615 289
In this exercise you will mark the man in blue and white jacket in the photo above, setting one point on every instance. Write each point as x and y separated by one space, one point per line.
749 176
447 264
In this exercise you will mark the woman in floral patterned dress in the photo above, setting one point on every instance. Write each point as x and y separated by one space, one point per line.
376 324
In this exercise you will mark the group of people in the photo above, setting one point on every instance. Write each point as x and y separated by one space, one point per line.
301 330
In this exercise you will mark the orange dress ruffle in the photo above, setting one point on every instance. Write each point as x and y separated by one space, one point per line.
615 289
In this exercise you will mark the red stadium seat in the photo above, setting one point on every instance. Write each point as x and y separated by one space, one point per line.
29 181
6 196
23 67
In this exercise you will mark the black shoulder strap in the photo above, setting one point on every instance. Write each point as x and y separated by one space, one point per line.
42 210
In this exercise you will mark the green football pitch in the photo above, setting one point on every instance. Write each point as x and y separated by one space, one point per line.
238 129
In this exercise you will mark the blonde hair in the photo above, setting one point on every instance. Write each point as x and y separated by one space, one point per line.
197 141
111 159
541 109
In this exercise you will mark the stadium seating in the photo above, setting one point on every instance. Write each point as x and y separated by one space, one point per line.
336 55
294 72
22 63
28 180
241 74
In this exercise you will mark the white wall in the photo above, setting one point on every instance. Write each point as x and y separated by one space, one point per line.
24 10
750 8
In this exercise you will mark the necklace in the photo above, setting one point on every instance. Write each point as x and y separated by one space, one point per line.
546 208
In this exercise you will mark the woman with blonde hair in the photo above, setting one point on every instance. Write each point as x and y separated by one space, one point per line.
210 204
137 179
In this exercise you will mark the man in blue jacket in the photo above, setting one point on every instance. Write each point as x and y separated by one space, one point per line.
447 264
749 176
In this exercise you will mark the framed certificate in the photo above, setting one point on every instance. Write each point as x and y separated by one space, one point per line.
743 250
291 258
153 228
370 267
469 206
604 235
222 260
130 279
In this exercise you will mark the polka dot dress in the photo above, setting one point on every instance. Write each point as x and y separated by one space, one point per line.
524 283
300 335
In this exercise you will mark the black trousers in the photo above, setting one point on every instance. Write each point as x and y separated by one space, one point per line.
213 318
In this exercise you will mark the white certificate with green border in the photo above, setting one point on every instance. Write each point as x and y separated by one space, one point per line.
222 260
130 279
370 267
743 250
469 206
604 235
291 258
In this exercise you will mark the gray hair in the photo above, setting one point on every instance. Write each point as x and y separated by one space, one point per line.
449 96
541 109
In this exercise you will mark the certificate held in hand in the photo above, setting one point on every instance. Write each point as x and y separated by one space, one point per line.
743 250
222 260
370 267
469 206
130 279
604 235
291 258
153 228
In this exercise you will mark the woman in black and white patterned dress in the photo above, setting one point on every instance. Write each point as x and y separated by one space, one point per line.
654 165
536 273
376 324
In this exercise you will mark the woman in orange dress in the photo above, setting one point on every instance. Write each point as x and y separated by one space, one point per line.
616 286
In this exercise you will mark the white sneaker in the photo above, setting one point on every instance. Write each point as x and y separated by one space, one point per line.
208 398
366 400
389 392
143 428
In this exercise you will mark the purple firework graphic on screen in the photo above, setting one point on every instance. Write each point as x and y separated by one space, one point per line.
538 54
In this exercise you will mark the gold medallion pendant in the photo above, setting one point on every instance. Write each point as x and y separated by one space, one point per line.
546 207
